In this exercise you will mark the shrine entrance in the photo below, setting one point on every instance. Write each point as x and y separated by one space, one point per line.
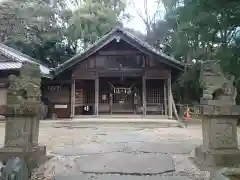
119 95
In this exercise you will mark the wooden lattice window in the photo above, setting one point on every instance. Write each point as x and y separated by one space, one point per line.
89 93
104 94
155 93
79 98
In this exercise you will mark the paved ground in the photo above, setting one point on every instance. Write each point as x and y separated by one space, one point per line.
119 152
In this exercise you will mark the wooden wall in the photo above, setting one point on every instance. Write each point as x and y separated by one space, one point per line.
58 100
90 69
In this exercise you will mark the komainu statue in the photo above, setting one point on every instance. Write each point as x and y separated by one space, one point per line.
216 85
23 95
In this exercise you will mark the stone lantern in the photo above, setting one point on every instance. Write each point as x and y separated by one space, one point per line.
219 120
22 113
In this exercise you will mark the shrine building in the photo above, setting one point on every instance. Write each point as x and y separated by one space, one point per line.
118 74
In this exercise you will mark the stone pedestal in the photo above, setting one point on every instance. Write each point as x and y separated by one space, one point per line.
35 155
220 133
21 132
21 139
220 144
226 102
226 174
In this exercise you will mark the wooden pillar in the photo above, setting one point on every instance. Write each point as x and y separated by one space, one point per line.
110 102
144 95
170 95
96 96
110 99
165 96
73 94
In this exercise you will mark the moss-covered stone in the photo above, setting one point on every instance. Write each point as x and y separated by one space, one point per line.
24 93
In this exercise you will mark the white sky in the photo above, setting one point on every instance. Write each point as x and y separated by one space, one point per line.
136 22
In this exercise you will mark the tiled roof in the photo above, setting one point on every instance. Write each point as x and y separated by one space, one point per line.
10 65
104 40
18 58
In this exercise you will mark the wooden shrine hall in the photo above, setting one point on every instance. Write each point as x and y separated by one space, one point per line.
118 74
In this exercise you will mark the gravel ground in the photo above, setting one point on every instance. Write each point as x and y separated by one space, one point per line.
57 138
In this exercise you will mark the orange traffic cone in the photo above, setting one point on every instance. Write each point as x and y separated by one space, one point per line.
188 116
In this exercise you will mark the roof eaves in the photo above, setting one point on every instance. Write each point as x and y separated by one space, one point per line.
49 76
5 66
165 61
80 55
5 48
18 57
150 48
10 65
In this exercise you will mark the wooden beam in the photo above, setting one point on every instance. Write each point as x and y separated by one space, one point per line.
118 53
176 114
144 95
169 96
73 98
165 96
56 82
96 96
119 73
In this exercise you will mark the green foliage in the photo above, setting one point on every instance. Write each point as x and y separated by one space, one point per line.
200 30
187 88
36 31
94 18
51 32
9 20
230 61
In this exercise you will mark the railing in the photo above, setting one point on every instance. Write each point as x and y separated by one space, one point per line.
194 110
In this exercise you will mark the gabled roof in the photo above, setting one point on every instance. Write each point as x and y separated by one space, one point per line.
17 58
126 36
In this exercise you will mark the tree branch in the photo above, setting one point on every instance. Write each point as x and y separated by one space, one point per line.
155 14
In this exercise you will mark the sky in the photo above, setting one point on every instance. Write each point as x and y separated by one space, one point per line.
136 22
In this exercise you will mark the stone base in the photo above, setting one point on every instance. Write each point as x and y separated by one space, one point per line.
226 174
221 157
35 155
217 102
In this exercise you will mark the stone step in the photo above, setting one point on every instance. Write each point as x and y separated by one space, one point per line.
117 177
117 122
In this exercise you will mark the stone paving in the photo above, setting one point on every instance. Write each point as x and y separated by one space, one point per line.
119 152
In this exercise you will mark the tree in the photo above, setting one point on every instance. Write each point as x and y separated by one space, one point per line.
9 19
214 24
148 17
36 31
230 61
199 30
51 32
93 18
